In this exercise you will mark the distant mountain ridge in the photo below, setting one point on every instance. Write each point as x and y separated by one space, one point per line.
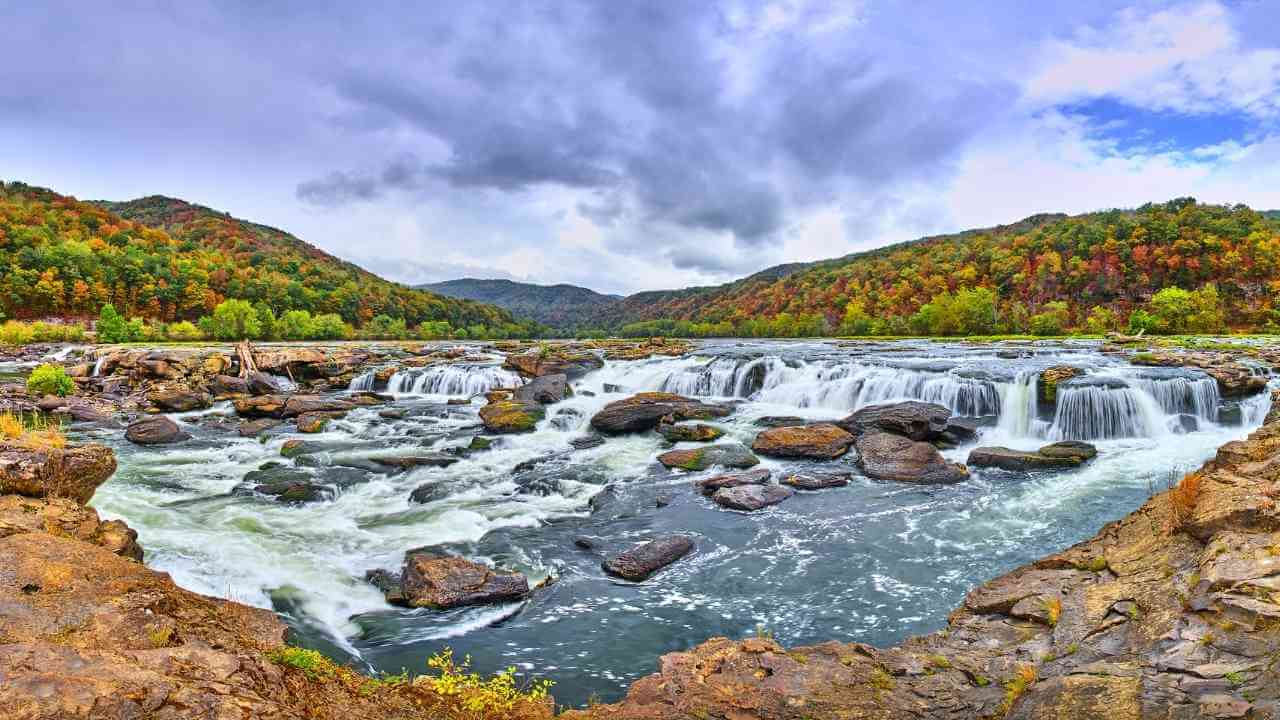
562 306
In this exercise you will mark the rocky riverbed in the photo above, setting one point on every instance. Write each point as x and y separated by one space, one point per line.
582 509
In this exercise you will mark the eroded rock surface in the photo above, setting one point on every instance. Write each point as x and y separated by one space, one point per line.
885 456
822 441
913 419
646 410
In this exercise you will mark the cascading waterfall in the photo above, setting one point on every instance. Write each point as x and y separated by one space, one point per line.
451 380
1183 395
363 382
1105 411
97 365
1019 406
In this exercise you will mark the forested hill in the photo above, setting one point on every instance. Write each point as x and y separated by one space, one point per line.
165 259
1088 271
564 307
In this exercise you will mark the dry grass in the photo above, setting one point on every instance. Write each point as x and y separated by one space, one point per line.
1053 610
1182 500
1017 685
35 432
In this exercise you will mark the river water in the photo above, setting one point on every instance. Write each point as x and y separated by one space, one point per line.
872 562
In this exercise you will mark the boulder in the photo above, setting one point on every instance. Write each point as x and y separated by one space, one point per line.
758 476
911 419
155 430
405 462
733 455
254 428
586 441
751 497
61 517
1050 378
428 492
644 560
822 441
314 422
226 386
816 481
261 406
260 383
68 472
279 359
543 390
285 485
690 433
538 363
303 404
442 582
509 416
776 421
646 411
179 399
886 456
1065 454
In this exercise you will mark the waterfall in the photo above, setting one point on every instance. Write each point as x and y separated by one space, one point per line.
1104 411
97 365
1183 395
363 382
451 380
1019 406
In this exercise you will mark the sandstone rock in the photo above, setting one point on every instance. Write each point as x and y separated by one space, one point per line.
732 455
443 582
587 441
254 428
405 462
641 561
822 441
509 416
1050 378
758 476
61 517
155 430
260 406
303 404
1065 454
571 364
776 421
912 419
816 481
226 386
178 399
314 422
885 456
690 433
645 411
751 497
293 448
286 485
279 359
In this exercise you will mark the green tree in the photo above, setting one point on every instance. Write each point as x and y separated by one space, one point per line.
232 320
1101 319
111 327
330 326
856 320
294 325
1052 320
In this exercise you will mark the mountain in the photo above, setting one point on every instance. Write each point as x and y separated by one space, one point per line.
1100 265
166 259
564 307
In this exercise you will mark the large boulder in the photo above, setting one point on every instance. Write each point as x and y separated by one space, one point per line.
155 430
822 441
543 390
539 362
179 399
912 419
751 497
510 416
260 383
442 582
757 476
886 456
644 560
646 411
1056 456
732 455
261 406
69 472
61 517
314 422
227 386
303 404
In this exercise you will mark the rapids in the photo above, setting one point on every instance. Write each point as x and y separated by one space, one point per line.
872 562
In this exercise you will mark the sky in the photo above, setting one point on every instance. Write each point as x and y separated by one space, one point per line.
629 145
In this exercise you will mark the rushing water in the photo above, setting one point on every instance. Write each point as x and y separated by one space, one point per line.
871 562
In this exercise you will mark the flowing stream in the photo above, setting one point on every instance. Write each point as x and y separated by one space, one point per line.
872 562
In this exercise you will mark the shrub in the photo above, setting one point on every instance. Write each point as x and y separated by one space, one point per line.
312 664
50 379
16 333
1182 500
232 320
499 694
183 330
330 327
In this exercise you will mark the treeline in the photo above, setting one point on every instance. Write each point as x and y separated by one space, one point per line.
1046 273
975 311
166 261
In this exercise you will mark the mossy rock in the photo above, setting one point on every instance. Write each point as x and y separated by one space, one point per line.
509 416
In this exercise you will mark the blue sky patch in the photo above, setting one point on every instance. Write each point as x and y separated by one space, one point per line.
1135 129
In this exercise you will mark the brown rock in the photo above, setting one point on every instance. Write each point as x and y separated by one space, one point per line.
155 430
816 481
758 476
751 497
66 518
885 456
645 411
178 399
696 432
644 560
820 442
442 582
912 419
70 472
730 455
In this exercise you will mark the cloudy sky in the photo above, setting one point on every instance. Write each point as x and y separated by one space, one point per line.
639 145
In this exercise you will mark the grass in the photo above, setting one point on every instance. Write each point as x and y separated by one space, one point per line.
32 432
312 664
1015 686
1052 610
1183 498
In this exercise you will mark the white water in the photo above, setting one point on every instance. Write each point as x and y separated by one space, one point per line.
316 554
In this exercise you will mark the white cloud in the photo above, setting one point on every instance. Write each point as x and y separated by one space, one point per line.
1187 58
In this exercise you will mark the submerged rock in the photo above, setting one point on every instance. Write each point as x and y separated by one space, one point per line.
155 430
442 582
428 492
912 419
751 497
646 411
314 422
1065 454
254 428
733 455
586 441
886 456
690 433
822 441
641 561
777 421
816 481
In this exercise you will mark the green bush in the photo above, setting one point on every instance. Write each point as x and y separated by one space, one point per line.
330 327
50 379
294 325
232 320
183 330
16 333
113 328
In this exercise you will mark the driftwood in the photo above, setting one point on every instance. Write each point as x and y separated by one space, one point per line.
245 352
1121 339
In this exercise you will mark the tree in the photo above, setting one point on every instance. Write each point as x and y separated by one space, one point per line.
115 329
232 320
294 325
856 321
330 326
1101 319
1052 320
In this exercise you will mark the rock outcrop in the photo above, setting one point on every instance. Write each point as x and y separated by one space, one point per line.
822 441
692 432
646 411
69 472
913 419
442 582
1234 378
1055 456
155 430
